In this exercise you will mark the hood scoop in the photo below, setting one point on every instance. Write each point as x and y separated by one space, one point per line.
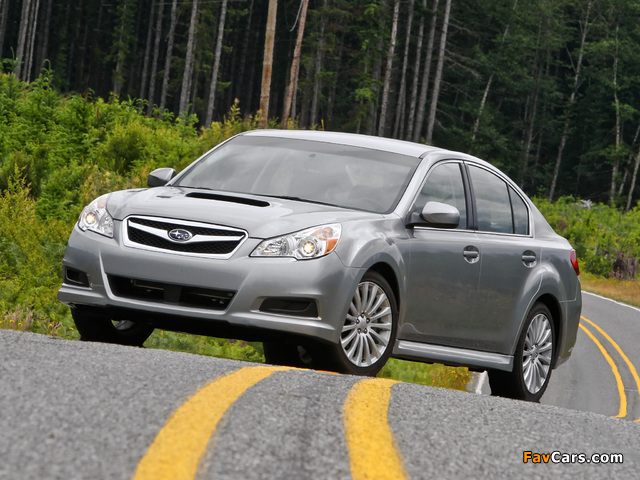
228 198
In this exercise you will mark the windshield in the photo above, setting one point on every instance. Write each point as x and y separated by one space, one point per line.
344 176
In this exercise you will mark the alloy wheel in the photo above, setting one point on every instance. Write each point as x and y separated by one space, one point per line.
537 353
366 333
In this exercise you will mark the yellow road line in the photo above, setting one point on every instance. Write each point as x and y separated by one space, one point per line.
372 450
176 451
623 397
631 366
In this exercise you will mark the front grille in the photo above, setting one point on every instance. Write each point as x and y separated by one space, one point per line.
181 295
152 233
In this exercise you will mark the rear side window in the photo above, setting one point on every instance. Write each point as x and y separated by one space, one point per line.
500 209
444 184
520 213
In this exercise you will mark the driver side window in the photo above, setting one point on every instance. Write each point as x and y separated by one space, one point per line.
444 184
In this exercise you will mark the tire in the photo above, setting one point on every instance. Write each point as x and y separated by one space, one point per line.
94 327
532 360
287 354
369 329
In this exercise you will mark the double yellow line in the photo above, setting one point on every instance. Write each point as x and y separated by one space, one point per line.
616 373
176 452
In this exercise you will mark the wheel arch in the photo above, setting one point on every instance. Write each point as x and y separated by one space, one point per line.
390 276
553 305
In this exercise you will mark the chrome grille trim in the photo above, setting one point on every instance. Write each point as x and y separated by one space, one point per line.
207 240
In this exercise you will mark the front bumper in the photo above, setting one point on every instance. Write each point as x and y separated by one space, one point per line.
325 281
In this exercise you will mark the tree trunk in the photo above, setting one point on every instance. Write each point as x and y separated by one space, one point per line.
238 86
123 44
31 40
169 54
398 128
4 11
387 74
189 59
147 52
295 63
528 140
334 85
43 49
438 79
570 104
376 74
416 73
531 111
22 37
422 104
318 68
156 53
251 77
485 94
634 178
267 63
616 103
216 65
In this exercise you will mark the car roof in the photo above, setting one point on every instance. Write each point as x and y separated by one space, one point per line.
352 139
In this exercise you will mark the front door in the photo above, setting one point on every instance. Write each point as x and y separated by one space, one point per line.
445 265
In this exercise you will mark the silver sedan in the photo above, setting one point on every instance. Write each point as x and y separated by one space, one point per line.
336 251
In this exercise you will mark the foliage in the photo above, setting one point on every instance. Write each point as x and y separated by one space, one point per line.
201 345
548 91
58 153
603 236
438 375
30 256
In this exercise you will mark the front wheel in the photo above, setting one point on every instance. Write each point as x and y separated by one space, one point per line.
95 327
532 360
369 329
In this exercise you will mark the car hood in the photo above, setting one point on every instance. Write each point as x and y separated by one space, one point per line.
262 217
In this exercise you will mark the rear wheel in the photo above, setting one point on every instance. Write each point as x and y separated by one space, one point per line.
95 327
532 360
369 329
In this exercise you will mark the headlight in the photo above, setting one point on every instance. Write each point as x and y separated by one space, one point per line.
310 243
96 218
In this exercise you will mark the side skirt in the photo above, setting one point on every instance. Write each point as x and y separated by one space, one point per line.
422 352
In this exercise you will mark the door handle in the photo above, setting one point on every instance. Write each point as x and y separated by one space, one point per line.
529 258
471 254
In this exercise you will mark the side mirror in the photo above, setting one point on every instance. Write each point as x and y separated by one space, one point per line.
160 177
440 215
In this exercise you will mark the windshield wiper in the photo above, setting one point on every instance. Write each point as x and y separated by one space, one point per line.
195 188
297 199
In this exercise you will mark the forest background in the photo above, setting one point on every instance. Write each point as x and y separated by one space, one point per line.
94 94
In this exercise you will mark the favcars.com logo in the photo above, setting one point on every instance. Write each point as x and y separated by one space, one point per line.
559 457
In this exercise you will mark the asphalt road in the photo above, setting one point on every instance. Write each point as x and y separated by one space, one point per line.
75 410
587 381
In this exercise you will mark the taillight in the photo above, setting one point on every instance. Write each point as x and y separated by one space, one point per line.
574 262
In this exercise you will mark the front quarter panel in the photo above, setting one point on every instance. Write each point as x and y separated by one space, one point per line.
366 243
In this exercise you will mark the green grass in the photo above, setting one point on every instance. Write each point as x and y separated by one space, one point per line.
435 375
412 372
627 291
